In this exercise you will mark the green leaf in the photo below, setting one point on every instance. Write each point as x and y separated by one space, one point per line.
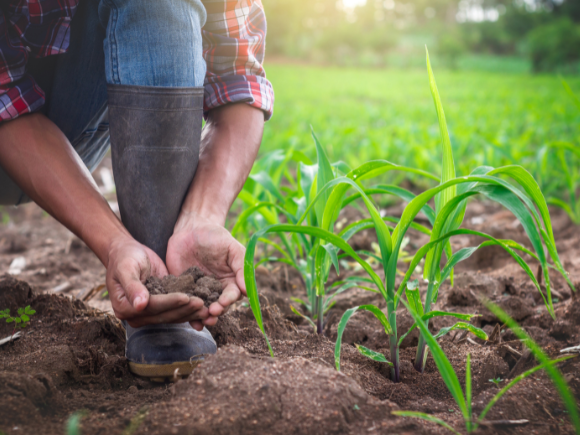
340 330
28 310
10 319
25 318
325 174
344 320
432 314
479 333
426 417
414 298
491 241
249 270
20 311
448 167
266 182
333 253
537 351
17 319
445 369
375 356
298 313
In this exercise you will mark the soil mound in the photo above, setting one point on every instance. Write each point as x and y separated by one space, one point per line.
295 396
193 282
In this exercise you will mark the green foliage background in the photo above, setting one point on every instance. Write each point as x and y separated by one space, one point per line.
363 114
546 33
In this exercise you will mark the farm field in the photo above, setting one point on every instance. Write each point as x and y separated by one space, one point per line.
67 373
361 114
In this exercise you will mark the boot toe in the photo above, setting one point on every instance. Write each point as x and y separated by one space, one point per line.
158 351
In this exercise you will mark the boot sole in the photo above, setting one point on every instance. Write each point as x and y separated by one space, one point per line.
163 372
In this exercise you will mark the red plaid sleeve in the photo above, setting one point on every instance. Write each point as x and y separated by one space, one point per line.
234 39
29 28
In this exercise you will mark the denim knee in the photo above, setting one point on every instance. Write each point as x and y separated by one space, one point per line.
154 42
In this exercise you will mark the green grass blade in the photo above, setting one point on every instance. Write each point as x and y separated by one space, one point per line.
375 356
447 372
426 417
537 351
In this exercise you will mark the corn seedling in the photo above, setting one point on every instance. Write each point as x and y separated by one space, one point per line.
450 204
464 400
450 197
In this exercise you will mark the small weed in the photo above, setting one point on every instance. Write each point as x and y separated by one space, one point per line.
496 381
21 320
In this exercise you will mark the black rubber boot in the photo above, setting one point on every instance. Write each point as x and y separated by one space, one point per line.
155 136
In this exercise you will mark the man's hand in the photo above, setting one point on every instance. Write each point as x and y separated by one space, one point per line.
129 265
197 241
229 145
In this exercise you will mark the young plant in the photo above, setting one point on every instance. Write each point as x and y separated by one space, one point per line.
450 197
464 400
21 320
450 204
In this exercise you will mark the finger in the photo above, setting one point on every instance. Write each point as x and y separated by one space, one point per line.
122 308
171 301
181 315
197 325
230 295
158 268
128 274
210 321
236 263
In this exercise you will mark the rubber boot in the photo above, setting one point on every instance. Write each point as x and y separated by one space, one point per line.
155 136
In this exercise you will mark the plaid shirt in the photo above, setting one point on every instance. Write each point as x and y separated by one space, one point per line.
233 47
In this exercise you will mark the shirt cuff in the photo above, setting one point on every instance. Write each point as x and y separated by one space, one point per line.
256 91
19 98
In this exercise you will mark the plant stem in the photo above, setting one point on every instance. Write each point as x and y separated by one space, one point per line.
395 370
394 342
320 307
420 358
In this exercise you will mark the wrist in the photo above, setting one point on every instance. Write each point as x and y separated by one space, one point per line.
104 241
190 218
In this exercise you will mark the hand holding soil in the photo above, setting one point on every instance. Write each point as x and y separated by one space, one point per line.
192 282
197 241
128 261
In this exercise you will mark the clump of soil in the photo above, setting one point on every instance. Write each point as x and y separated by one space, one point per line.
192 282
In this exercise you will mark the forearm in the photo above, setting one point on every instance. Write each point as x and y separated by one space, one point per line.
230 142
40 159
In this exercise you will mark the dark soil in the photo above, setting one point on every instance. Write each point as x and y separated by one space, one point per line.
193 282
70 358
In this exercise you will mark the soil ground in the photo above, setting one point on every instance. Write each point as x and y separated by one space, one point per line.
70 358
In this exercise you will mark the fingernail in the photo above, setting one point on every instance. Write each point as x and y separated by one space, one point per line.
137 301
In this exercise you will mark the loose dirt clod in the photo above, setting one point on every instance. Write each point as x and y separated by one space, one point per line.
192 282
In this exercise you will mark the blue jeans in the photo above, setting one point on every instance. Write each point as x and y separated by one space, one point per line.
126 42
